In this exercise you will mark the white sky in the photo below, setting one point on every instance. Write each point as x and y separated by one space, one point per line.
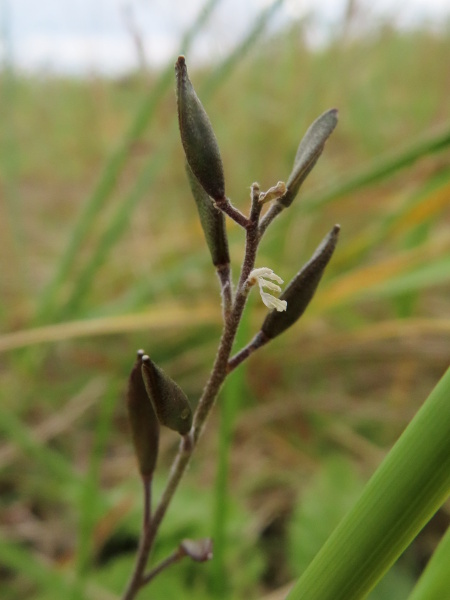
82 36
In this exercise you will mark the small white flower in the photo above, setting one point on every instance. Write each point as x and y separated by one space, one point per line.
257 276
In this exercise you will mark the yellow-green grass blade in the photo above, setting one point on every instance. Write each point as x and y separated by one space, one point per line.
415 269
434 583
434 142
425 206
30 568
91 502
111 171
406 490
120 219
46 576
162 316
53 462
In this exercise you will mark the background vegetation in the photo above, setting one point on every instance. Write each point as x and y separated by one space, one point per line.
102 253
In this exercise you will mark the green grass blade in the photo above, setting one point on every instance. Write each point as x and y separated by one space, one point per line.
48 577
120 218
410 485
21 435
111 172
434 584
224 69
381 169
90 501
25 563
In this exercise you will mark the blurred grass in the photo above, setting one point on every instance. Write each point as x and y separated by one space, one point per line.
112 244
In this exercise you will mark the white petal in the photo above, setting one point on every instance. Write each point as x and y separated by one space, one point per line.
261 272
269 285
272 302
272 275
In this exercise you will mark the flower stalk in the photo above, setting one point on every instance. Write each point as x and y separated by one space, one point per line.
163 400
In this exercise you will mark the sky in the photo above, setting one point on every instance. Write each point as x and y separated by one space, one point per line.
99 36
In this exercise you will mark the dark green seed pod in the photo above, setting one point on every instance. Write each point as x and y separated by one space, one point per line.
169 401
143 421
212 220
302 288
308 152
197 136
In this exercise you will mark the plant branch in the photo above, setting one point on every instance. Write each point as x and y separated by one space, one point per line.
225 206
232 315
173 558
273 212
147 484
224 274
258 341
148 536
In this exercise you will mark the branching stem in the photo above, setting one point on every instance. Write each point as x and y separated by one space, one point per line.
222 366
273 212
173 558
225 206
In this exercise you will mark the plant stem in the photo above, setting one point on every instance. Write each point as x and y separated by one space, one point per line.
273 212
259 340
225 206
149 532
232 316
224 274
173 558
147 484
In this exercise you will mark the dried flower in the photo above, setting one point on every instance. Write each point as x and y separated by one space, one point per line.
257 276
273 193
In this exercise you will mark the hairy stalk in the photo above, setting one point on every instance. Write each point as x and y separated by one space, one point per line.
257 342
273 212
225 206
224 274
232 316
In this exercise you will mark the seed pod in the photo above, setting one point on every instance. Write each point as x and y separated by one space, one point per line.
308 152
197 136
143 422
302 288
169 401
212 220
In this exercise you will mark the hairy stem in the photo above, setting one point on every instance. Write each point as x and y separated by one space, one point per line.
273 212
224 274
259 340
225 206
232 317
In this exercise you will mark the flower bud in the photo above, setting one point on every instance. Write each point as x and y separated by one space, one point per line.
143 422
197 136
197 550
308 152
212 220
169 401
302 288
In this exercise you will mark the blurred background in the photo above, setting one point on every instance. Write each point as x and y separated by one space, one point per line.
102 253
